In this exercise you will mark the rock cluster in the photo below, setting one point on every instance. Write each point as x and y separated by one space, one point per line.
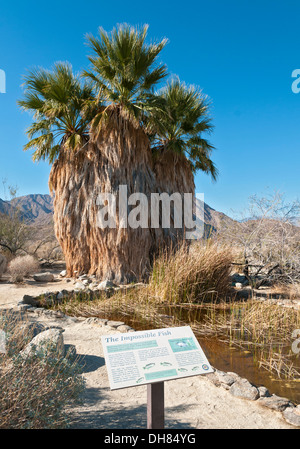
242 388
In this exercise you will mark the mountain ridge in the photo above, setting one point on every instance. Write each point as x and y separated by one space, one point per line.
38 210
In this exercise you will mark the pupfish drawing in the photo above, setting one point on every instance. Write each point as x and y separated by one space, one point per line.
195 368
166 364
182 344
148 366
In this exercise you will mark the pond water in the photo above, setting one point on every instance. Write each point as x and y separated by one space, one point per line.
220 353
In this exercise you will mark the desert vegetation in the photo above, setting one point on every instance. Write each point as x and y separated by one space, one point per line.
36 388
267 240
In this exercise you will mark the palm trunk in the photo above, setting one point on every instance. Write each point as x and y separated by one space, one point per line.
174 175
119 156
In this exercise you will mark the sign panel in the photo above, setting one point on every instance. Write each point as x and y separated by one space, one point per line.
144 357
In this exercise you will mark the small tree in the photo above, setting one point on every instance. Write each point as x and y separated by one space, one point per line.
15 231
268 239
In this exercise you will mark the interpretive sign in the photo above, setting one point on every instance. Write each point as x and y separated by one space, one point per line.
152 356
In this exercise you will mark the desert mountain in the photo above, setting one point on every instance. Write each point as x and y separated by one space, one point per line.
38 209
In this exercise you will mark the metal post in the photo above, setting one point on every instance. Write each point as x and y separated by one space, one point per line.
155 406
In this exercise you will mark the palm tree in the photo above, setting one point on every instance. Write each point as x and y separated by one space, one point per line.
96 141
112 130
178 146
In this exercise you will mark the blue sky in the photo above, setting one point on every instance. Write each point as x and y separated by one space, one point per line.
241 53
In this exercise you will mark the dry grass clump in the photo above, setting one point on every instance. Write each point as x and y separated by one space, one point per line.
34 391
195 273
21 267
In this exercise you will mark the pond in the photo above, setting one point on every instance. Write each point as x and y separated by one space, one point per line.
221 354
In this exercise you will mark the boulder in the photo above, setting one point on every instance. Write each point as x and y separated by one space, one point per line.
63 273
79 286
263 392
242 388
43 277
226 378
27 299
292 415
106 285
42 342
275 402
31 329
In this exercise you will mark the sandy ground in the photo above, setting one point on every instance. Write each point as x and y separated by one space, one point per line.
191 403
11 294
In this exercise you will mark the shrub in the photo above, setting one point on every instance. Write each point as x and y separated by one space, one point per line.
22 266
35 391
192 274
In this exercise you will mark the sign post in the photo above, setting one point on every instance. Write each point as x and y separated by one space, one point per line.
155 406
150 358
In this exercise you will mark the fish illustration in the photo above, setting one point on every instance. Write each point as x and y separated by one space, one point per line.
148 366
195 368
139 380
182 369
166 364
182 344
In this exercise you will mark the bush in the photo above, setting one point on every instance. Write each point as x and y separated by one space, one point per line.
192 274
21 267
35 391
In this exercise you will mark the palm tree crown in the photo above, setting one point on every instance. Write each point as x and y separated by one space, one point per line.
57 100
180 126
124 71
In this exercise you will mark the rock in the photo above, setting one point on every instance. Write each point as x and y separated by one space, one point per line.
63 273
226 378
31 329
106 285
263 392
62 294
242 388
3 264
83 277
27 299
115 324
43 277
95 320
93 285
124 328
42 341
238 278
213 378
275 402
23 307
79 286
292 415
